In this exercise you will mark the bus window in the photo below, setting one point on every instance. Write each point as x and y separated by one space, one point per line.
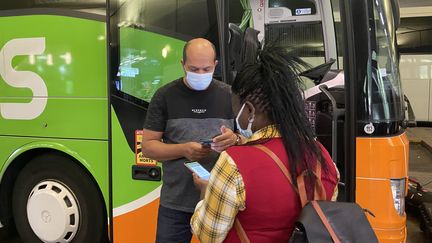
384 92
297 7
338 32
93 7
305 38
296 25
236 12
152 35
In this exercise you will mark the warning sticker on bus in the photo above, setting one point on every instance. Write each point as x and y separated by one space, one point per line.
139 157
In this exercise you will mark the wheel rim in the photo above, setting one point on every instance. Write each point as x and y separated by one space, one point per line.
53 212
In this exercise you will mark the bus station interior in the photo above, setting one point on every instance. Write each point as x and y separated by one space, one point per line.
414 38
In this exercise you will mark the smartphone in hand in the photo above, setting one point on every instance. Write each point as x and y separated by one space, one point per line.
206 142
198 169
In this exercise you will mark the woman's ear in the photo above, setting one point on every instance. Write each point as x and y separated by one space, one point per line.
251 110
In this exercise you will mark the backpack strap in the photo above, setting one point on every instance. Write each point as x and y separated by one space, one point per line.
319 192
324 220
237 225
302 188
240 231
276 159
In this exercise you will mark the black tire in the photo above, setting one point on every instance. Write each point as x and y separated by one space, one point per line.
92 223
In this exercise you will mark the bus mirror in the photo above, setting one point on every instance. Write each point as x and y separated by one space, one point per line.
396 13
410 120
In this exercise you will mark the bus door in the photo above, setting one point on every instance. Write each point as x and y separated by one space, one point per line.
146 47
307 28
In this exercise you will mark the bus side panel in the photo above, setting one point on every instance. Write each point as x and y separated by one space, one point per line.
383 157
53 80
378 161
93 155
388 225
53 89
135 203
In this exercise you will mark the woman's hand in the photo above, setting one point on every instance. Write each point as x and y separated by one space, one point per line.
226 139
200 184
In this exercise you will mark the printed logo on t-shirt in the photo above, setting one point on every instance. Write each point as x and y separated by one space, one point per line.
199 111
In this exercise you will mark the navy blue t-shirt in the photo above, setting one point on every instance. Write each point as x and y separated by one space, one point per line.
185 115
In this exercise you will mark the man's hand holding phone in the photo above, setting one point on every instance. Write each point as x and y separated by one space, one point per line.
195 151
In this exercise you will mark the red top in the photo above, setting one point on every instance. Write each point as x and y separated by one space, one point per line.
272 205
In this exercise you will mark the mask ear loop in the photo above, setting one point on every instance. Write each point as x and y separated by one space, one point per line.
241 110
252 118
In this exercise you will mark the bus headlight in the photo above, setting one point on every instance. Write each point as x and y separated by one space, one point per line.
398 191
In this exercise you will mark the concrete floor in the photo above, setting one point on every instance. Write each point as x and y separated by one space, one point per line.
420 168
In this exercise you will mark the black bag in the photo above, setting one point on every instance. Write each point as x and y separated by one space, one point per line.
322 221
347 221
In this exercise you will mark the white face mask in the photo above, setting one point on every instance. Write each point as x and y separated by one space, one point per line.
247 133
199 81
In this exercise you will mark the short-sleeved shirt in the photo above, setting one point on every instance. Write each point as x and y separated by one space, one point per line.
185 115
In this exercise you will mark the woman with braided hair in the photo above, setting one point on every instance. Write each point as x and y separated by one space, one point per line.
246 183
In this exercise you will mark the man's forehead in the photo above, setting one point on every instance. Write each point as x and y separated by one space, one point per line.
202 54
200 62
200 65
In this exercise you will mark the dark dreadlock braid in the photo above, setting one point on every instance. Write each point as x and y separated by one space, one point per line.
273 85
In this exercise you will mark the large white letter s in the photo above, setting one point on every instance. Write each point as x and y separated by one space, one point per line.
23 79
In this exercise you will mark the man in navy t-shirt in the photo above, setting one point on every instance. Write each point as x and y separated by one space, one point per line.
180 114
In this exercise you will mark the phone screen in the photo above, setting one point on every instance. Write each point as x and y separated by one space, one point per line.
198 169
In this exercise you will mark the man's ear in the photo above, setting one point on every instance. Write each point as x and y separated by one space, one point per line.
182 62
216 63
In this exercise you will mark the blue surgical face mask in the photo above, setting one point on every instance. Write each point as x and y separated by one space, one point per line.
199 81
247 133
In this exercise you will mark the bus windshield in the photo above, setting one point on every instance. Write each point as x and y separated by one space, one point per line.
382 88
151 36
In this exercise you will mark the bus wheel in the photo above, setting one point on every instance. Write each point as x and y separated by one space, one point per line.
54 200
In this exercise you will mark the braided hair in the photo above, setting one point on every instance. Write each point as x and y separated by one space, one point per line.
272 84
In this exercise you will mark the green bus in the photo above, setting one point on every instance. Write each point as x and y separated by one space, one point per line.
76 78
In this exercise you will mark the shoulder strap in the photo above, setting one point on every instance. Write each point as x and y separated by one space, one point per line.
276 159
301 188
240 231
319 189
324 220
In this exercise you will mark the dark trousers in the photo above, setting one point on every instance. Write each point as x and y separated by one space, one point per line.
173 226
